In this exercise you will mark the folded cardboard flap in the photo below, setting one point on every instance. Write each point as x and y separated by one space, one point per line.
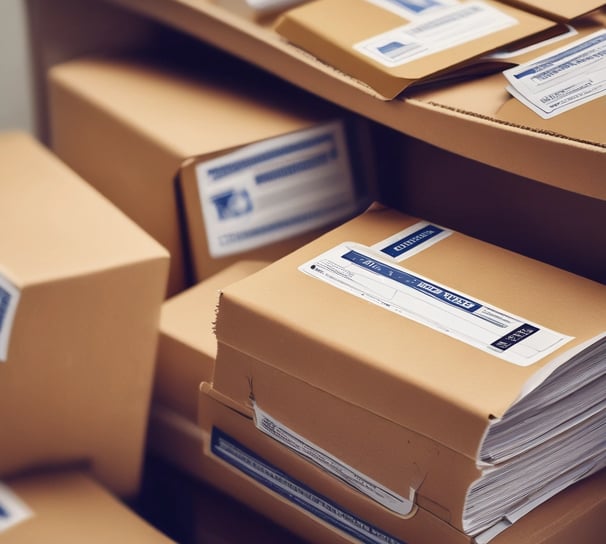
387 65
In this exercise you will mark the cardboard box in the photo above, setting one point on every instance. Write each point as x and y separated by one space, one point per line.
402 370
388 47
272 480
187 349
148 123
82 288
558 9
68 507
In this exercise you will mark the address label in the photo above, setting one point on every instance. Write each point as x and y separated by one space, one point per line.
437 31
9 298
297 493
276 189
365 273
331 464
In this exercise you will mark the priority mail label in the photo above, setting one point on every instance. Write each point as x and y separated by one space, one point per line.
12 509
437 31
365 273
9 298
276 189
249 463
563 79
331 464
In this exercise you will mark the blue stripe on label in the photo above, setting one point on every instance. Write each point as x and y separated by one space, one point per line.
404 278
233 237
412 241
550 61
240 457
514 337
295 168
228 169
5 299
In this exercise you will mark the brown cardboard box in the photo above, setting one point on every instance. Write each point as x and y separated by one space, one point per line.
187 349
403 371
558 9
79 332
271 479
70 508
386 49
132 126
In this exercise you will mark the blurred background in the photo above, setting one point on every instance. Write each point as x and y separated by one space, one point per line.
16 110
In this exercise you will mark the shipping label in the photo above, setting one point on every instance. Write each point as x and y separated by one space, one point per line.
563 79
9 298
437 31
411 9
368 274
246 461
344 472
276 189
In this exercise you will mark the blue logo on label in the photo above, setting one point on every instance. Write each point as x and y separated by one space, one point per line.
412 241
3 513
416 6
232 204
514 337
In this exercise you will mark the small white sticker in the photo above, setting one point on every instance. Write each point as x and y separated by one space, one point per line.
275 189
437 31
344 472
563 79
9 298
412 9
363 272
12 509
412 240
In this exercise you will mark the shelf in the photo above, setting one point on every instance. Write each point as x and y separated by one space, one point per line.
462 118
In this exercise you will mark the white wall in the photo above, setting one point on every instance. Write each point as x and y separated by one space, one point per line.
16 110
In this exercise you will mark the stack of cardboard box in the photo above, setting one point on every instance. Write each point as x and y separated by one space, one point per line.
329 414
81 288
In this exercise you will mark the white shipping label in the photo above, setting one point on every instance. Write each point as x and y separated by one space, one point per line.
412 240
437 31
563 79
9 298
276 189
344 472
367 274
12 509
411 9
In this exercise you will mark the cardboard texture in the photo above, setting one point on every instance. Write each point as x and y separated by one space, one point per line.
578 510
129 126
76 380
402 371
559 9
69 507
315 28
496 206
187 345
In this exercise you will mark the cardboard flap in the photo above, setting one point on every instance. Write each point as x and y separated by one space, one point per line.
317 28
